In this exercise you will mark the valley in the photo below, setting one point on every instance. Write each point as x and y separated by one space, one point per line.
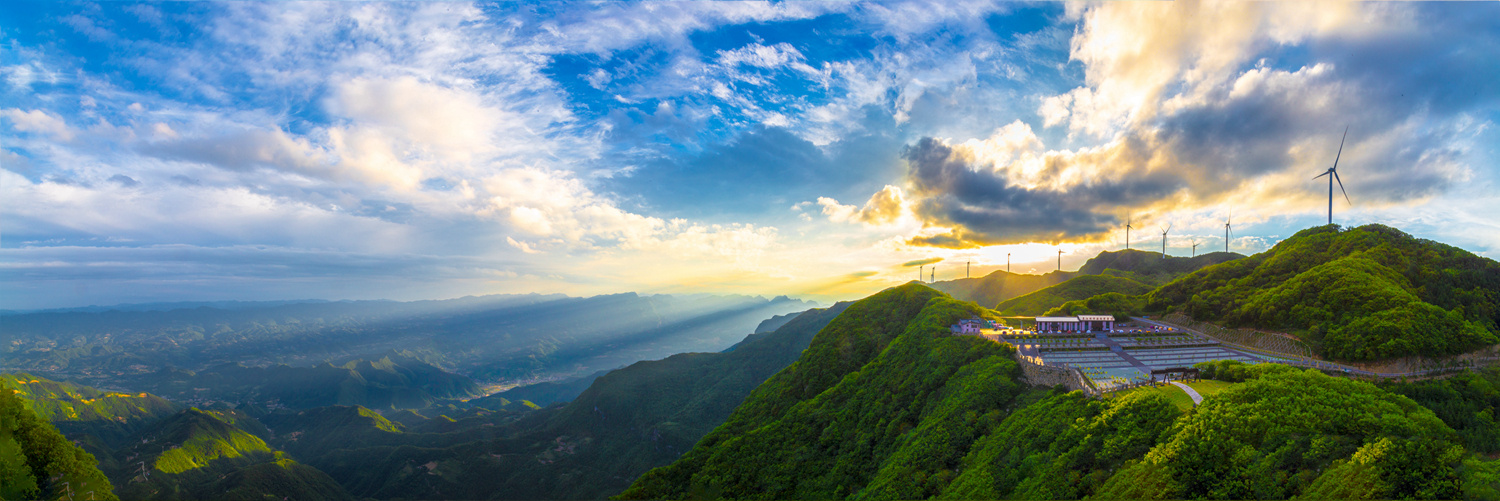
853 400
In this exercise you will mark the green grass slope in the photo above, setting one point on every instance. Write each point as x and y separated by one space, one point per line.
198 454
882 400
37 462
100 420
1077 288
1364 293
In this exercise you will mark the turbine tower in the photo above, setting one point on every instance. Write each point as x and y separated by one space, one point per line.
1164 240
967 264
933 274
1059 260
1007 262
1226 231
920 269
1333 175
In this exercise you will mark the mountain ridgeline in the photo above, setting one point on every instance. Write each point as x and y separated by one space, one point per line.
886 404
1129 272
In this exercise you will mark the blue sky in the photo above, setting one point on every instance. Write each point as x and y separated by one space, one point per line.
170 151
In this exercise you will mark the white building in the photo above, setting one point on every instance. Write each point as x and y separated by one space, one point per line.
1081 323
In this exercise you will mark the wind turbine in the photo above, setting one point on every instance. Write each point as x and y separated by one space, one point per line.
1007 262
1195 248
1059 260
1164 240
966 268
920 268
933 274
1127 231
1333 175
1226 231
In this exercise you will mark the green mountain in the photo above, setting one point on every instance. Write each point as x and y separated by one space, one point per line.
881 402
99 420
394 381
1150 267
886 404
37 462
999 286
626 422
196 454
1135 266
1077 288
1364 293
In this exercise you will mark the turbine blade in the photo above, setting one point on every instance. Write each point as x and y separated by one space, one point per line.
1341 149
1341 188
1326 172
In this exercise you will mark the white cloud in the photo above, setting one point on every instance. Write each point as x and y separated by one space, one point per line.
40 122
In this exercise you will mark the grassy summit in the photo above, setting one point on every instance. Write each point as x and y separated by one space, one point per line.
1365 293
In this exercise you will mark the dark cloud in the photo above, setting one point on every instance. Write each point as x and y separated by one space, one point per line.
124 180
238 151
922 262
982 208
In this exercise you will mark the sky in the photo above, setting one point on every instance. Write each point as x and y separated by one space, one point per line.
184 151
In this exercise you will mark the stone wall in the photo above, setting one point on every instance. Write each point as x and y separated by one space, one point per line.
1047 375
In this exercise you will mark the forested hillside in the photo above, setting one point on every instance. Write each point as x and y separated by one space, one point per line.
37 462
1150 267
199 454
628 421
1364 293
933 415
883 399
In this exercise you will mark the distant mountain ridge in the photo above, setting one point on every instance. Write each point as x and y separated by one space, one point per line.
1144 267
491 338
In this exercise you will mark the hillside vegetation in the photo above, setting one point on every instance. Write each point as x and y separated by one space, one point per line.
999 286
883 399
949 421
99 420
197 454
1129 272
1365 293
627 421
1075 289
37 462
